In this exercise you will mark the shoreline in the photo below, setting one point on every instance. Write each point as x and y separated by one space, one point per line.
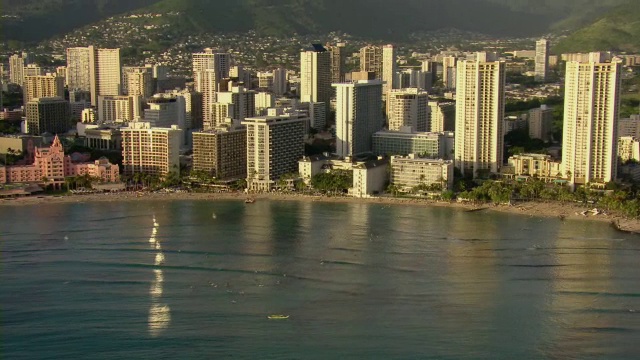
566 211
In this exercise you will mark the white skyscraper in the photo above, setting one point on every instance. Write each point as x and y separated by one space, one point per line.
358 116
16 69
592 101
389 68
315 75
138 81
408 110
542 60
106 73
480 100
211 59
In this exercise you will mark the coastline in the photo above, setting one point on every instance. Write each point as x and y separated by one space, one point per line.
567 211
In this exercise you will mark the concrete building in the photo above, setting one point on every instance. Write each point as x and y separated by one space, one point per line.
338 55
442 116
105 73
542 60
61 71
629 126
628 148
148 150
165 111
42 86
591 108
408 172
238 104
211 59
51 167
264 101
408 110
279 81
192 107
24 144
537 165
50 115
371 60
221 153
358 116
430 145
16 69
118 109
32 70
317 114
411 78
265 80
275 143
138 81
369 177
103 138
480 101
79 68
389 68
315 75
449 68
541 123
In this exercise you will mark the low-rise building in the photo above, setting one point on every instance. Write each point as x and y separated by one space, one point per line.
51 166
19 143
408 172
103 139
431 145
538 165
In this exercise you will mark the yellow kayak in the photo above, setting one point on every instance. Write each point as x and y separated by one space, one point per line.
277 317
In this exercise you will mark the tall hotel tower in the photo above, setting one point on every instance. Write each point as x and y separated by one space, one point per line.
315 75
542 60
479 116
592 101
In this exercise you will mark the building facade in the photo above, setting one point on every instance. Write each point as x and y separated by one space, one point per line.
315 75
42 87
542 60
275 143
408 172
480 101
408 110
148 150
429 145
541 123
221 153
50 115
358 116
591 109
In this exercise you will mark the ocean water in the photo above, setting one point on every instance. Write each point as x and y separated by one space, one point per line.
197 280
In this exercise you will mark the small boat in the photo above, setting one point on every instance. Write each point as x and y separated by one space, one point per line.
278 317
250 201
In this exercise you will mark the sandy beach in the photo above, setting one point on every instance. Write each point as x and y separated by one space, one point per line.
566 211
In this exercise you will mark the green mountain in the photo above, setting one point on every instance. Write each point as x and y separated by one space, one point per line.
618 30
32 20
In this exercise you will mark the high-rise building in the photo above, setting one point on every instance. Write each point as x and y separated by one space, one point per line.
541 123
338 55
149 150
315 75
106 73
592 101
411 78
629 126
16 69
408 110
138 81
42 87
79 68
480 101
221 153
427 144
371 60
211 59
442 116
389 68
542 60
265 80
117 109
234 106
32 70
279 81
165 111
61 71
192 106
358 116
50 115
628 148
449 72
275 143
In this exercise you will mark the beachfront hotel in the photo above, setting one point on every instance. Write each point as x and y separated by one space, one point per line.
408 109
591 106
221 153
427 144
480 101
275 143
149 150
407 172
51 167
